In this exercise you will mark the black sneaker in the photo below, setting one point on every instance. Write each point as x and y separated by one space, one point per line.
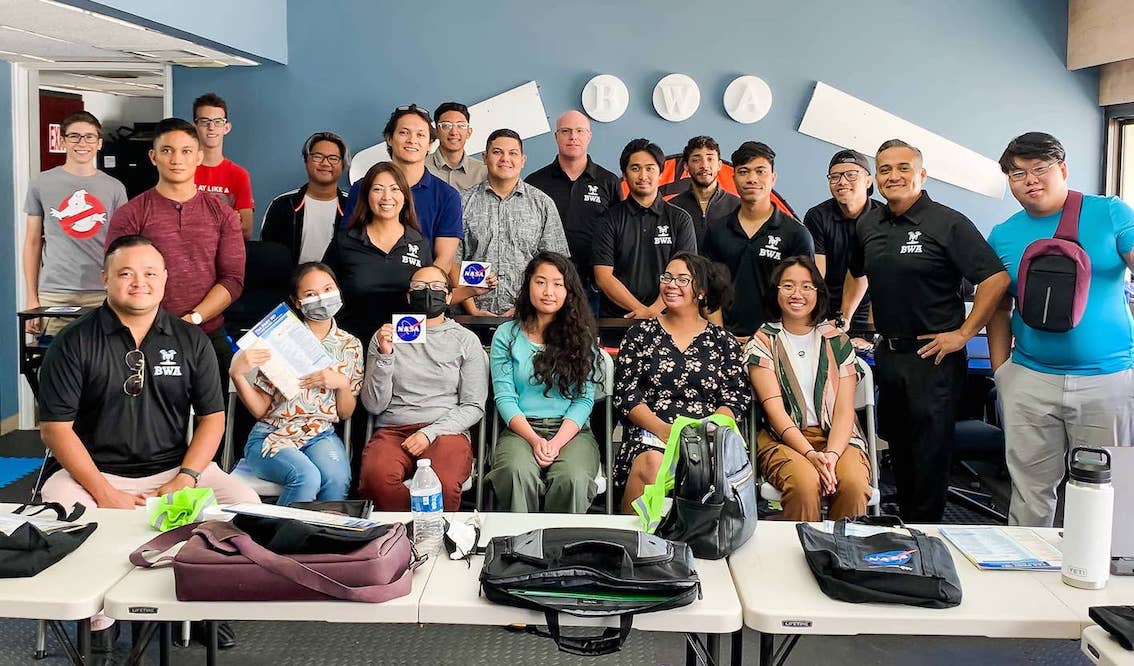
226 637
102 642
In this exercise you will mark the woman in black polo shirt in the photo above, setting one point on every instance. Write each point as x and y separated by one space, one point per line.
377 252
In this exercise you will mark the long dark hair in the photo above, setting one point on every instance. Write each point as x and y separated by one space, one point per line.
362 214
822 294
567 360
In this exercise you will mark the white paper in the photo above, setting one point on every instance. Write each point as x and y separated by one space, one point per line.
312 517
409 329
295 349
476 271
1004 548
10 521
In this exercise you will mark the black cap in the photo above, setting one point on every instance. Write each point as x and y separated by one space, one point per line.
1092 468
852 157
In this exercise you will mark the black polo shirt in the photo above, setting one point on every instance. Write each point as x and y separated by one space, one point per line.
581 202
721 203
834 237
82 381
638 242
373 282
751 262
915 262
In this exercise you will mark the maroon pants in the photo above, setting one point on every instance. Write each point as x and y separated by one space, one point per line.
385 465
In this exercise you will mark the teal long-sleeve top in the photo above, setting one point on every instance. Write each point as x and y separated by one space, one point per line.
513 382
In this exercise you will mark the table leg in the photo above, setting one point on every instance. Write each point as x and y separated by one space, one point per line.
714 648
737 649
40 640
690 651
767 646
83 633
211 647
165 645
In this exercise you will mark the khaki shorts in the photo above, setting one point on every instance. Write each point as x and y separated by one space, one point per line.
86 299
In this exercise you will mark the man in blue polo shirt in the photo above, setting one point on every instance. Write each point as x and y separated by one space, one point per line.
1060 390
409 133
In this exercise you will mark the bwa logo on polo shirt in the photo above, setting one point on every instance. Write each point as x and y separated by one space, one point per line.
592 195
772 249
913 244
411 257
663 237
168 366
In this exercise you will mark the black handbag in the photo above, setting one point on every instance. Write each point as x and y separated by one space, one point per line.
889 567
29 550
589 572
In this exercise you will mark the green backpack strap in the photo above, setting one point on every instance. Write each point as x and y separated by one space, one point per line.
649 506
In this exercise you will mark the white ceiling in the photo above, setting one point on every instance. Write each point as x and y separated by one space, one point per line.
42 31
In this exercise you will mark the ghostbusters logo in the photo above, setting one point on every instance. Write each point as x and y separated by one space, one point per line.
81 215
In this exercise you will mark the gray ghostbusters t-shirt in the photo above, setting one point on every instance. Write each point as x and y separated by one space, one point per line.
76 211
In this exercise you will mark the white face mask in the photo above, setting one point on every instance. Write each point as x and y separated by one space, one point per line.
321 307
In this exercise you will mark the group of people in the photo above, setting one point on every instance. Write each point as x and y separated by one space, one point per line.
737 300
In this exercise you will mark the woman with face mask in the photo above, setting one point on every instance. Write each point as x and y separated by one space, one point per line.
425 395
803 372
544 376
293 442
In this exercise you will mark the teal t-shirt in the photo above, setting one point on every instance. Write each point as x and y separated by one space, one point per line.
514 385
1103 342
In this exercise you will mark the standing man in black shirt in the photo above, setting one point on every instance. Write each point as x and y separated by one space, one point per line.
581 190
914 252
705 200
831 224
752 240
636 238
116 388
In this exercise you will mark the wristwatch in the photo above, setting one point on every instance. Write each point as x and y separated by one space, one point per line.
196 318
196 476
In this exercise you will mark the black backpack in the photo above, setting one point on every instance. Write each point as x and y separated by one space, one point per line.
589 572
707 466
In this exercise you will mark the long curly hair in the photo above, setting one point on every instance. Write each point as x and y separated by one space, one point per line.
567 361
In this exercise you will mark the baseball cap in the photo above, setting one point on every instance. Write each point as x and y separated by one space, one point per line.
852 157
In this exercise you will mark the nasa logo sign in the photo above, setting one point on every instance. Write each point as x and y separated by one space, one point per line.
474 273
408 329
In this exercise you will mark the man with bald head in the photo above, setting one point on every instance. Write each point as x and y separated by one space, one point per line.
581 190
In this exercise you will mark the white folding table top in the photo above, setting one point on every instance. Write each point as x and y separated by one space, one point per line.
1119 590
1101 648
780 596
149 594
73 588
452 595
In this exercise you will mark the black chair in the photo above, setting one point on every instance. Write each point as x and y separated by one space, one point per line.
979 440
267 271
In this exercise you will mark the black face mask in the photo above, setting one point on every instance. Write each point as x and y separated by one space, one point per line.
431 302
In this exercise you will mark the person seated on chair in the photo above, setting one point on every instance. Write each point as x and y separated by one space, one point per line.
544 375
803 372
294 442
424 398
679 364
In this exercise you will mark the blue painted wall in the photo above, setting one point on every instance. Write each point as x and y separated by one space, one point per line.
976 72
256 27
9 403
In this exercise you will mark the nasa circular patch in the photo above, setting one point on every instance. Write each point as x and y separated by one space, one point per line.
474 273
409 328
81 215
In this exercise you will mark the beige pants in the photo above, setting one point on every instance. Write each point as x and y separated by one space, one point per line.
798 481
86 299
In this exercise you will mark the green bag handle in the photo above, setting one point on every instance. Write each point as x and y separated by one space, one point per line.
181 507
649 505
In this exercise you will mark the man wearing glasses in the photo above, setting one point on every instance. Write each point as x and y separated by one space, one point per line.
581 190
753 239
217 174
68 209
915 252
831 224
449 162
408 133
1060 389
304 220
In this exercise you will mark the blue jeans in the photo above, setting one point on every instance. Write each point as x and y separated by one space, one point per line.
317 471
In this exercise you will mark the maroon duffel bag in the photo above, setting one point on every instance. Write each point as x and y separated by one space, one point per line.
221 562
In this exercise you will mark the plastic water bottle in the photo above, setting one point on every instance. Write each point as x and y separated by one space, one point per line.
428 508
1088 515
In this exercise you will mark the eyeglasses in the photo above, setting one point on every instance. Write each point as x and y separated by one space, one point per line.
445 125
1016 175
74 137
206 123
416 109
679 280
333 160
435 286
136 361
791 288
568 131
851 176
